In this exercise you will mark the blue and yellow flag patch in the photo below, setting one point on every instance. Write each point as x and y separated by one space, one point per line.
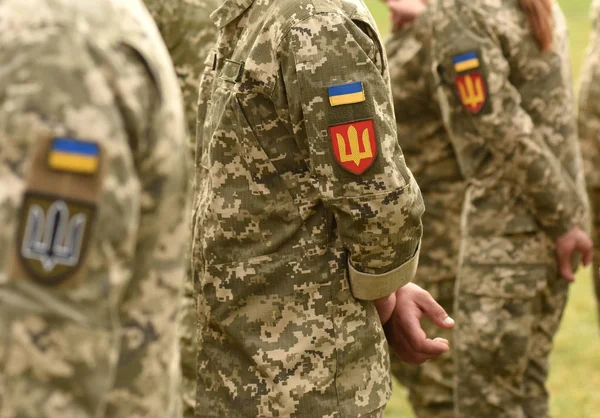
465 62
346 94
74 156
470 81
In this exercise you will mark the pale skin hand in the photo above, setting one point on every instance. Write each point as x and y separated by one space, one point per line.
401 312
405 11
385 306
573 241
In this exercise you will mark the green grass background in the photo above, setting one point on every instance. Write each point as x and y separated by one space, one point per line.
575 374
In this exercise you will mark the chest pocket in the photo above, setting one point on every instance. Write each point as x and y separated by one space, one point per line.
249 212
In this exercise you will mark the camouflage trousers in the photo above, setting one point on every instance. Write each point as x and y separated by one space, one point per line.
594 195
430 385
502 345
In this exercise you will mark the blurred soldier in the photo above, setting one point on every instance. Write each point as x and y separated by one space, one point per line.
306 213
506 94
189 35
92 201
430 156
589 131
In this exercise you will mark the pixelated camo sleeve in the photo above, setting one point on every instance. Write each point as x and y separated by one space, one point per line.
338 88
589 103
189 34
92 238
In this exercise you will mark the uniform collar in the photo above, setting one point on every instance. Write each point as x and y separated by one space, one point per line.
229 10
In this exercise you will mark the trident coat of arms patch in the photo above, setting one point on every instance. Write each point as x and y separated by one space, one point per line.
354 145
470 81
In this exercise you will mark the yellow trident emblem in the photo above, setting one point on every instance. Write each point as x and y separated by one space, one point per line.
355 155
472 91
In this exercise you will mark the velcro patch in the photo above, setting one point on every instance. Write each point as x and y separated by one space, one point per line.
354 145
53 236
74 156
465 62
63 188
470 81
346 94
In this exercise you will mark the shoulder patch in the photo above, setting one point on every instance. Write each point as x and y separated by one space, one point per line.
53 236
346 94
354 145
74 156
470 81
63 188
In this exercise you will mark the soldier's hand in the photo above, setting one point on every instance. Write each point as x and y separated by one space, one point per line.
572 242
403 329
385 306
405 11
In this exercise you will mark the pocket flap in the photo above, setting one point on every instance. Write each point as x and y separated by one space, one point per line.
504 281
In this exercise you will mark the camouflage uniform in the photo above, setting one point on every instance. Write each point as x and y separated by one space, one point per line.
92 204
509 108
189 35
305 212
430 156
589 132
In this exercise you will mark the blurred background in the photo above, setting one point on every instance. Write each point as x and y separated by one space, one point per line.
575 372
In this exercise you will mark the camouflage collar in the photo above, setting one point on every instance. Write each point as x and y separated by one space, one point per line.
229 10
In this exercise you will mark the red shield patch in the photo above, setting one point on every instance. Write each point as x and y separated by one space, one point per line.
472 91
354 145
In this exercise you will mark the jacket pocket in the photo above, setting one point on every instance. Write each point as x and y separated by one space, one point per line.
508 266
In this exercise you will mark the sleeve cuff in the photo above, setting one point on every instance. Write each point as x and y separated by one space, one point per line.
367 286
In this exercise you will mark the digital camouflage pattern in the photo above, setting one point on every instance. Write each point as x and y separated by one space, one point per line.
102 342
189 35
289 247
589 132
430 156
521 158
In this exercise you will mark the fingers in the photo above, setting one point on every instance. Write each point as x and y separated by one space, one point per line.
564 265
415 351
404 332
409 355
418 340
434 311
586 247
573 241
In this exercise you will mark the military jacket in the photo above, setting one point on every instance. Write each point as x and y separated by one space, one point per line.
427 148
189 34
509 109
589 103
305 210
92 198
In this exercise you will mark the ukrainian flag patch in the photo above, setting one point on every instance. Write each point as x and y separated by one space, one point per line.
346 94
466 62
74 156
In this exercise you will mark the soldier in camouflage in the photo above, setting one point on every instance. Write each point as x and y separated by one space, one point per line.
589 132
189 35
305 213
93 178
505 92
430 156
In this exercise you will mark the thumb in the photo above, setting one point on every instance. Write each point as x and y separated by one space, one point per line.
564 263
434 311
586 247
